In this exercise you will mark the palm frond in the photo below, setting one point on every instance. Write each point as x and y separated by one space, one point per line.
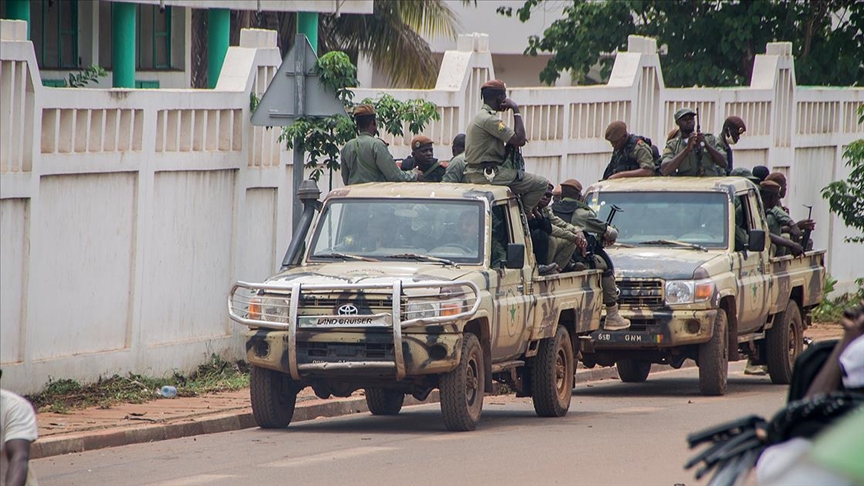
429 18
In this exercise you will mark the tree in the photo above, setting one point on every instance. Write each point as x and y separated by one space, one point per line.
321 138
846 198
707 43
391 36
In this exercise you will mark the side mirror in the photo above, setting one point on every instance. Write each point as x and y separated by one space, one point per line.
515 255
756 241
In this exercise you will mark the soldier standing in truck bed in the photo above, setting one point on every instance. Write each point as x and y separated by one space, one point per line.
456 167
366 158
631 156
692 153
487 141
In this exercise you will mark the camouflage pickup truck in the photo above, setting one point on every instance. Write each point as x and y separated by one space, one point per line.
686 290
405 288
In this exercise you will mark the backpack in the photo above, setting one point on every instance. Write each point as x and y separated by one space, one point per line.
629 163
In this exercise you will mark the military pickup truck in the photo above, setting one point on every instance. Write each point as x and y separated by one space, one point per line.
404 288
686 290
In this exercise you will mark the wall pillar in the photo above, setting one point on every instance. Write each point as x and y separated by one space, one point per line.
123 53
218 32
307 23
19 10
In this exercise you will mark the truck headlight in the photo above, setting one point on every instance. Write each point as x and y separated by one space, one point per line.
421 310
275 310
688 291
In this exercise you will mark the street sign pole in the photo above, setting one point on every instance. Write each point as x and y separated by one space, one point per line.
300 110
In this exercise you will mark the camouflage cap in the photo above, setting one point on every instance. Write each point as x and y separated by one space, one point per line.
683 112
419 141
364 110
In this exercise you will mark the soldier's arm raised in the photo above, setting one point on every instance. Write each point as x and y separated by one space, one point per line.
717 156
671 162
387 165
518 139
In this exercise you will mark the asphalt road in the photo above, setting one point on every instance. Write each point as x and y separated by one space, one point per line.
615 433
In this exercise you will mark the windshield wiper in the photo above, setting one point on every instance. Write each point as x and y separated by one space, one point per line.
344 256
422 258
692 246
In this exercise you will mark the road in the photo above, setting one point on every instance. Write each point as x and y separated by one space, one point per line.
615 433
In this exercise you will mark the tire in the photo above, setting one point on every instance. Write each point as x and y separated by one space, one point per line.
273 398
633 370
783 343
462 389
552 375
384 402
714 358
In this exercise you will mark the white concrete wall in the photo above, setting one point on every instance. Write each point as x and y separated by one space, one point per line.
125 215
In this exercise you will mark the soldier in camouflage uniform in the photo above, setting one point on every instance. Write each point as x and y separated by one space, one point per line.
770 192
486 146
692 153
788 225
631 156
366 158
565 238
456 166
733 128
422 159
572 209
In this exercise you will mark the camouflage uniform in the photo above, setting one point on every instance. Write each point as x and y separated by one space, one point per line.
366 159
485 141
777 218
693 165
455 169
434 173
636 154
563 241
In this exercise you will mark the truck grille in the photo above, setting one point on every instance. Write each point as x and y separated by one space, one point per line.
640 293
309 352
328 304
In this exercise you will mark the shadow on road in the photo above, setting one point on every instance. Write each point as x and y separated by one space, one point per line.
670 386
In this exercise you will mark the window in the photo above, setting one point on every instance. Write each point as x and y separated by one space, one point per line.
154 37
54 31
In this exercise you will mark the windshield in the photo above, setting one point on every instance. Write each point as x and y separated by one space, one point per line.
658 218
400 229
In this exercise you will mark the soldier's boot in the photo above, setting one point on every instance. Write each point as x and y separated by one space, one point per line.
614 321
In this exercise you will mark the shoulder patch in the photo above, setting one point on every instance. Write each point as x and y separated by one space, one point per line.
501 126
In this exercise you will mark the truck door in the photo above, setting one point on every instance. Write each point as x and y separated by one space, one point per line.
751 268
509 322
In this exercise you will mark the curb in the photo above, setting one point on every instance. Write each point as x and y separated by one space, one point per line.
227 422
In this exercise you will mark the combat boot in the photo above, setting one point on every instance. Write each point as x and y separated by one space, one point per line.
614 321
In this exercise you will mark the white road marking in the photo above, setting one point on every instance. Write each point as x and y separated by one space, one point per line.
328 456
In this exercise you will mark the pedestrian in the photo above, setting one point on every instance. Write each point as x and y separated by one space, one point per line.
18 430
366 157
423 159
572 209
456 167
631 154
492 148
732 130
690 152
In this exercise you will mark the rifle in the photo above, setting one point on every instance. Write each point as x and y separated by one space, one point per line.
698 131
615 209
805 238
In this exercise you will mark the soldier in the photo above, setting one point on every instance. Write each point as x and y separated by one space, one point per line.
456 166
565 238
760 172
733 128
692 153
770 192
422 158
572 209
366 158
488 142
781 214
631 156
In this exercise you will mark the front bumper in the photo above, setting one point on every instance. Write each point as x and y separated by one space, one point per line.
343 354
660 328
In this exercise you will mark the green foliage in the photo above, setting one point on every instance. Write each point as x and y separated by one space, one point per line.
846 198
254 101
831 310
215 375
708 43
321 138
84 77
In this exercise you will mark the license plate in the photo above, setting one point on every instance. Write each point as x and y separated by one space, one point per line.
627 337
369 320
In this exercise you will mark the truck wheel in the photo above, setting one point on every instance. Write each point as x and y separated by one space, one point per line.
462 388
272 398
384 402
783 343
714 359
633 370
552 375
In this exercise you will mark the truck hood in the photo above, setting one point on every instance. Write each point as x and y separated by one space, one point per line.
369 272
666 263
